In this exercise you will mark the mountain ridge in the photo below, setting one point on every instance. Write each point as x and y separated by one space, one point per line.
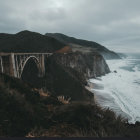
27 41
79 44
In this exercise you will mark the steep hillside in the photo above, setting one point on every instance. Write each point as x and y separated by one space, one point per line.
66 74
84 45
59 79
27 41
65 81
21 107
25 112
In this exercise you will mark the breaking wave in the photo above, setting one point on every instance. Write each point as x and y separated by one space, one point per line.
120 89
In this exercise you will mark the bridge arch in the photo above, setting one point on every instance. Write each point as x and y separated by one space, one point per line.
24 62
13 64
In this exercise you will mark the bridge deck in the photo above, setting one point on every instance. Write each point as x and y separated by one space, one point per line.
5 54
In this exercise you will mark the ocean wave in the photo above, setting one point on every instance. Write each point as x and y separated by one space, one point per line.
120 89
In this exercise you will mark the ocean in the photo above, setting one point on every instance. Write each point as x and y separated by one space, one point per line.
120 90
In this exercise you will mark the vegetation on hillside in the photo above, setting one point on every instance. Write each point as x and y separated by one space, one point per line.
27 41
57 104
24 112
84 45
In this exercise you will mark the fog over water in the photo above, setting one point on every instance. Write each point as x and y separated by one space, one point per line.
120 89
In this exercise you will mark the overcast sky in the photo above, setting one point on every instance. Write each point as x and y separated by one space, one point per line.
113 23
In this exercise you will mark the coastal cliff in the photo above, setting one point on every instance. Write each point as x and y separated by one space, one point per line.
67 74
89 65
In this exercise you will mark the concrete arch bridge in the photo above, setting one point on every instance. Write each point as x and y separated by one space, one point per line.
13 64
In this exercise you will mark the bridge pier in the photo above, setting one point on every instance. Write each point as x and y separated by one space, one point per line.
42 66
1 65
13 71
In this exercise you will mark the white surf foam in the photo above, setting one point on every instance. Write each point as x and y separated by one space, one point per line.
121 92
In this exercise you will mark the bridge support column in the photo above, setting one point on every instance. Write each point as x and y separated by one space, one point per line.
42 66
13 71
1 64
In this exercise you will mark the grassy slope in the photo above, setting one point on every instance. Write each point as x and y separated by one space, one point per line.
20 108
24 112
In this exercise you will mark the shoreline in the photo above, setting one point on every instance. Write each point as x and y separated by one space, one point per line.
91 86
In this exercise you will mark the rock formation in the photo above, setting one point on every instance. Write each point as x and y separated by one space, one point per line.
88 64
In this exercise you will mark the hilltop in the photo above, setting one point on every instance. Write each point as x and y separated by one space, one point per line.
26 41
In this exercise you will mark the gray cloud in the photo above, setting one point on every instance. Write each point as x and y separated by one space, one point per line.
113 23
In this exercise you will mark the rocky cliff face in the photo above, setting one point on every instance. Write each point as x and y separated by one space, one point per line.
67 74
90 65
